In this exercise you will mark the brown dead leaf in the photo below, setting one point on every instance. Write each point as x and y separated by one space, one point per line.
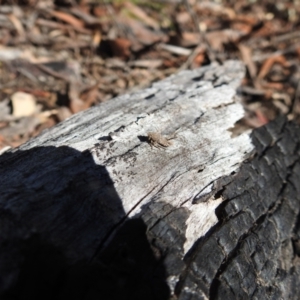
77 105
265 31
250 20
18 25
215 8
139 35
183 17
120 47
85 16
120 83
199 60
67 18
65 27
63 113
189 39
242 27
217 39
99 11
89 95
267 65
43 96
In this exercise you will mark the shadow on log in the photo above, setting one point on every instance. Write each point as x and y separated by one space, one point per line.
52 236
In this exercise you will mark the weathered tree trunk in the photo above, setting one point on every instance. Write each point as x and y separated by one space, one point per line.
90 210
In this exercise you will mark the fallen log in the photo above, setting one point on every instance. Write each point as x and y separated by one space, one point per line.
148 196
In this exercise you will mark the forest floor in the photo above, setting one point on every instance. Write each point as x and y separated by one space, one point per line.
60 57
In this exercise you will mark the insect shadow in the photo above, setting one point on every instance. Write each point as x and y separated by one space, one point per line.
143 138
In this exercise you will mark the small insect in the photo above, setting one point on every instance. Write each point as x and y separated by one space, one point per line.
157 140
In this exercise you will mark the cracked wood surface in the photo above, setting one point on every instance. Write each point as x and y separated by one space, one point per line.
116 217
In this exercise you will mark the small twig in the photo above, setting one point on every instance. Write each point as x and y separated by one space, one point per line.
191 58
261 57
202 37
51 72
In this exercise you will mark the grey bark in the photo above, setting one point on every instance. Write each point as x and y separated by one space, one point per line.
90 210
